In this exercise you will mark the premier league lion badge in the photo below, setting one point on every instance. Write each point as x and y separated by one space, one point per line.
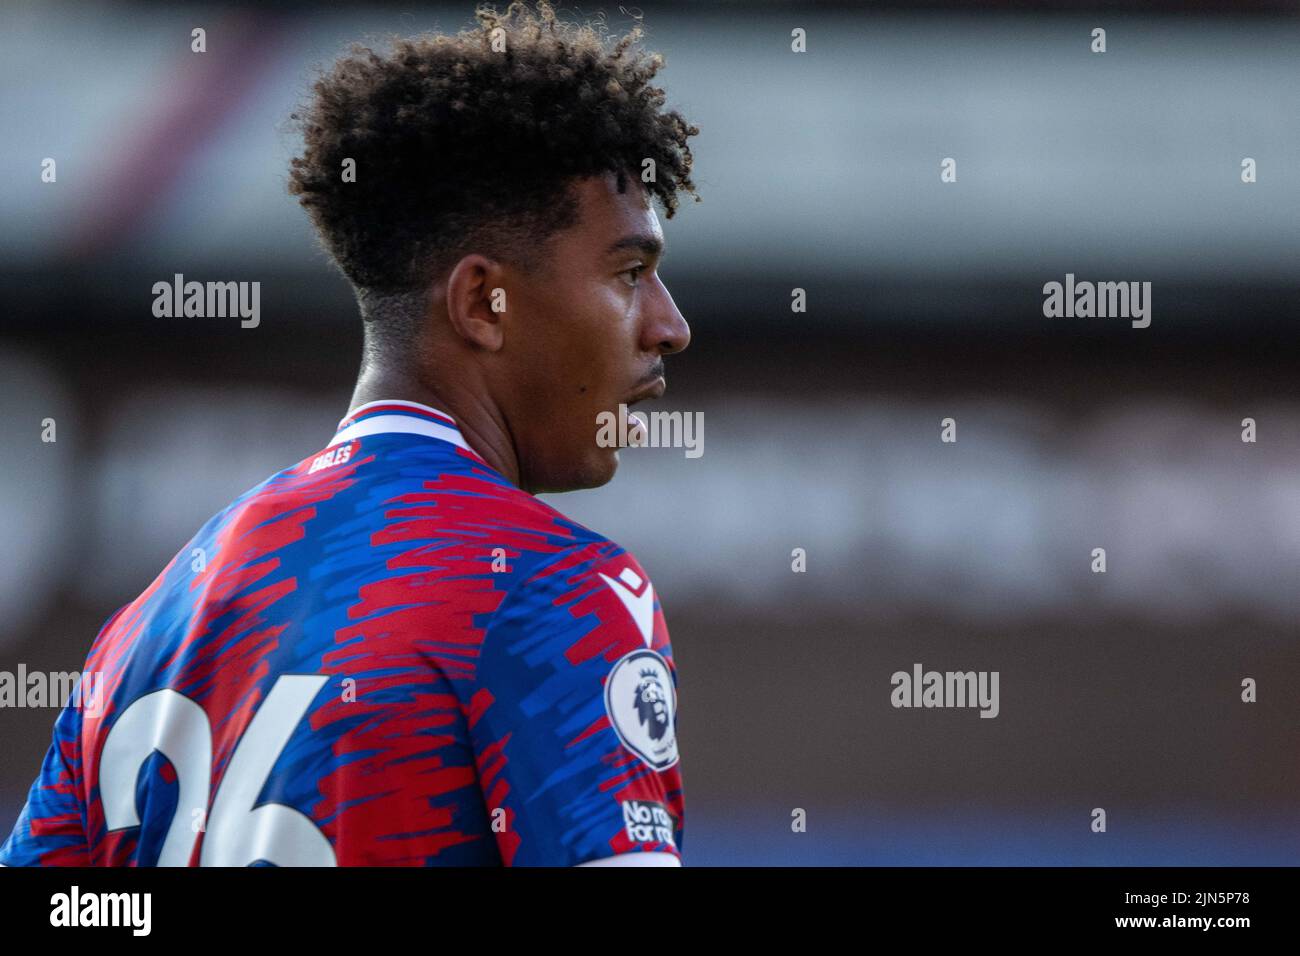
641 701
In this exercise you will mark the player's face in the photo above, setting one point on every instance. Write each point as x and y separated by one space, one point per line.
589 336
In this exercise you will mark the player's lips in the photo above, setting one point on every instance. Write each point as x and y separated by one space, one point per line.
654 390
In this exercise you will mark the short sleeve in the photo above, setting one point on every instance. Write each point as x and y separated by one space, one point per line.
574 714
51 827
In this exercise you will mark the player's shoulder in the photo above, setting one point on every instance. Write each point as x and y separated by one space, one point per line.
582 552
585 623
580 576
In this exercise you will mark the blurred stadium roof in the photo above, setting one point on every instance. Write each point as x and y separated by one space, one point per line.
1121 166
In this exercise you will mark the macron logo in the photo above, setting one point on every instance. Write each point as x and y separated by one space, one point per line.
642 607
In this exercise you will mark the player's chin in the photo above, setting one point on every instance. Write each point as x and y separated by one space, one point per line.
593 468
601 466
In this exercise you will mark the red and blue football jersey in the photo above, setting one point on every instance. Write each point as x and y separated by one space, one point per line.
384 655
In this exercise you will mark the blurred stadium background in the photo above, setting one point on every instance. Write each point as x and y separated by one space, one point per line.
817 171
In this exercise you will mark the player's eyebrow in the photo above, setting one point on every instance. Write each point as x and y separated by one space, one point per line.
649 244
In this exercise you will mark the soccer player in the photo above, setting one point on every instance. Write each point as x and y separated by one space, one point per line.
392 652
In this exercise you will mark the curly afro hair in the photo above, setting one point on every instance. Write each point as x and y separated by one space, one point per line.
468 143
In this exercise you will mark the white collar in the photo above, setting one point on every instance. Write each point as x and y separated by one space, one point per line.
393 415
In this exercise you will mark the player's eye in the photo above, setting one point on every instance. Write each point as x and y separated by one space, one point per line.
634 272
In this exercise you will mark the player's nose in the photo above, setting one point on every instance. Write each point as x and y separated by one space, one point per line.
665 329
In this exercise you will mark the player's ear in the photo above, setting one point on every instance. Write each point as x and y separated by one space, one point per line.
476 301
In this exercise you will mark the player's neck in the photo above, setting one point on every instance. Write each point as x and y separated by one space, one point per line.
480 423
